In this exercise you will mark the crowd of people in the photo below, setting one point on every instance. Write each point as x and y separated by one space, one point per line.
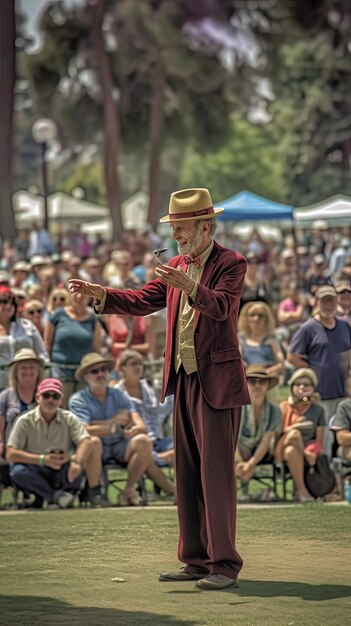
79 390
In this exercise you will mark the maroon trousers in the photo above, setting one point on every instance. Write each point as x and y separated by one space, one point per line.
205 439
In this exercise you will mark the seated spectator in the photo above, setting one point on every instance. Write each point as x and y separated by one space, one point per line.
118 272
255 288
91 271
127 331
37 264
15 333
71 331
343 309
146 403
19 272
341 426
286 269
143 270
260 422
316 275
41 462
33 310
291 311
303 426
24 374
256 338
58 298
109 414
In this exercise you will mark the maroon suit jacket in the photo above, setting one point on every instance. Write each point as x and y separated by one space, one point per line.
219 364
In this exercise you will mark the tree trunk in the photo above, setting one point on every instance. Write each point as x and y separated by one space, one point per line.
7 82
112 136
156 127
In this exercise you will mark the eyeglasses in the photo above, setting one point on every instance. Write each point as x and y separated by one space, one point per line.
6 301
55 396
257 381
260 316
134 363
96 370
305 385
59 299
33 311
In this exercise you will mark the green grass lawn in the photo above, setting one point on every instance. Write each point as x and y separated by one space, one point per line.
57 568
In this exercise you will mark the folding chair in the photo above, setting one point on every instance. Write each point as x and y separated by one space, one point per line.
340 467
112 476
265 474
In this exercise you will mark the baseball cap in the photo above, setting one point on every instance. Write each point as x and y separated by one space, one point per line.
51 384
38 259
21 266
343 286
4 277
318 259
326 290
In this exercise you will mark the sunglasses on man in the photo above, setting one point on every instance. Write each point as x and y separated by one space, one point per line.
47 395
96 370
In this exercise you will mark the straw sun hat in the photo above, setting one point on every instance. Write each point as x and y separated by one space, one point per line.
90 359
259 371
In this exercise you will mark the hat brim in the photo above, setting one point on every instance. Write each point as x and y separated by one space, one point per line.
272 380
28 358
81 371
170 218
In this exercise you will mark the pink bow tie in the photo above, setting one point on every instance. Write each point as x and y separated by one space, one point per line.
189 260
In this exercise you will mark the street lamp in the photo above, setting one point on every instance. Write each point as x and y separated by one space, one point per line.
44 132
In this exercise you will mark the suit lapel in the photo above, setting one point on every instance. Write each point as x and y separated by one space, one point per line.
206 275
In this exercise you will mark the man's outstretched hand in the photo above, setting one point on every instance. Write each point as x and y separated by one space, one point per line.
86 289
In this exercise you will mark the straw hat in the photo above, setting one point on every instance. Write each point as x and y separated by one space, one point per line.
90 359
25 354
191 204
259 371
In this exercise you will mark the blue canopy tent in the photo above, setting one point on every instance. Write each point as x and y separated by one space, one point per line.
249 207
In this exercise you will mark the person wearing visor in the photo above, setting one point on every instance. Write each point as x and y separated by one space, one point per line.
40 452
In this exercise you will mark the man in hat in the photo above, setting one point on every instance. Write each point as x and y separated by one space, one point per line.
201 288
343 290
323 343
110 414
19 272
39 450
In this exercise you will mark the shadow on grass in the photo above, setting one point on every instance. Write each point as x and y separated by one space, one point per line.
278 588
44 611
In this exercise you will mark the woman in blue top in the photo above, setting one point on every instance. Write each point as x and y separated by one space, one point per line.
256 339
71 332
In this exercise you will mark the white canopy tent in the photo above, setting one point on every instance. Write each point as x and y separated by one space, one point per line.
335 210
62 208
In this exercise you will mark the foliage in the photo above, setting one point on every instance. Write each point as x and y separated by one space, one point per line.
310 72
249 160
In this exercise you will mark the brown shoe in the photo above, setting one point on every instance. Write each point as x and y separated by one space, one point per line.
179 575
216 581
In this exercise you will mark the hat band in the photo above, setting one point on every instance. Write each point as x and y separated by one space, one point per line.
178 216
